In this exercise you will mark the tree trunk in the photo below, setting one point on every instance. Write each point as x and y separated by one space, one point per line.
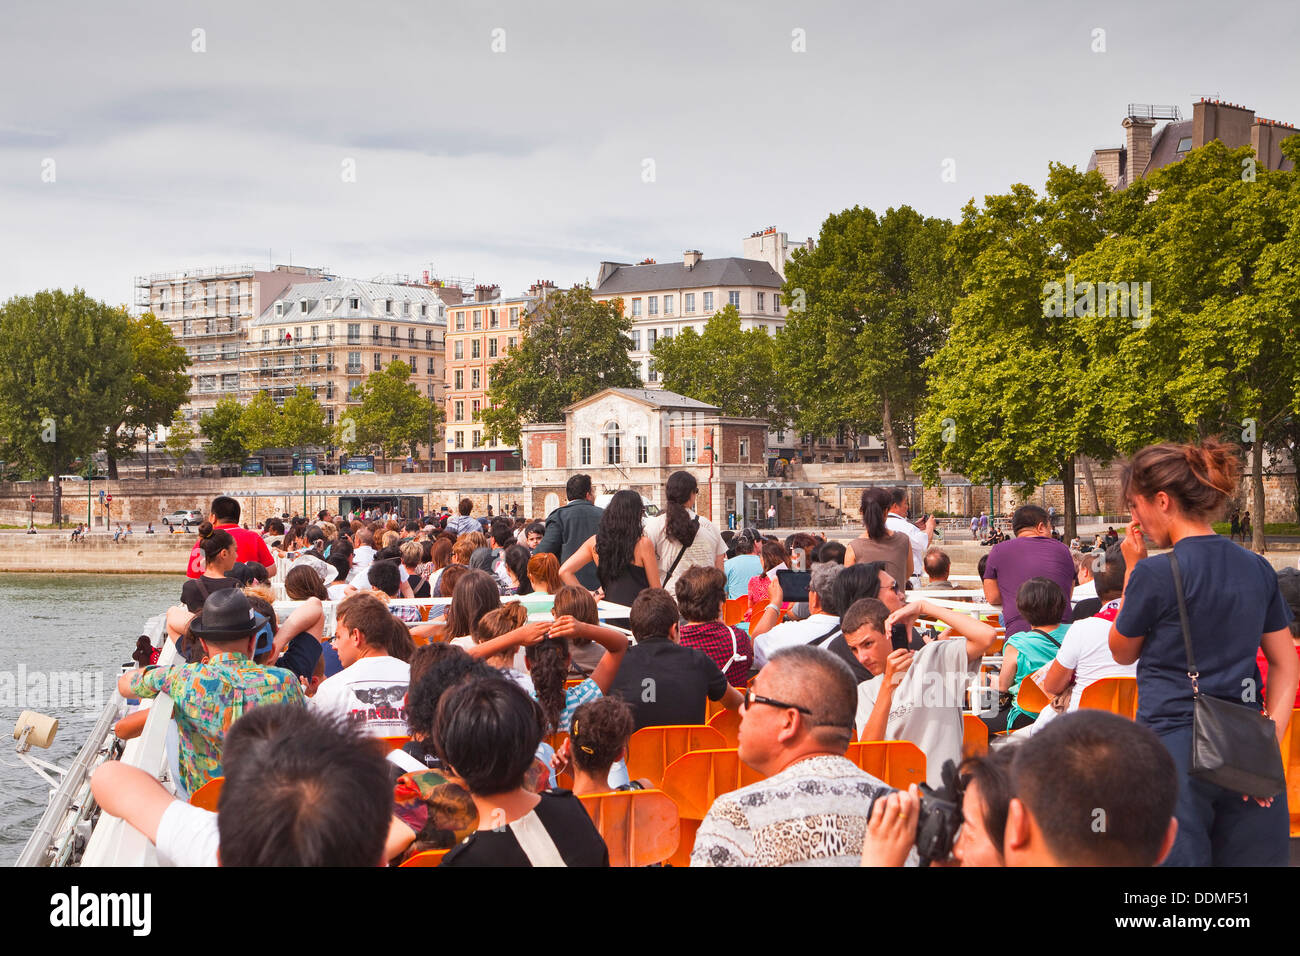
1085 465
891 443
1067 499
112 463
56 509
1257 496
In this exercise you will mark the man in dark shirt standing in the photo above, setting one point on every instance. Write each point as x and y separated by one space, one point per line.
664 682
1033 552
568 528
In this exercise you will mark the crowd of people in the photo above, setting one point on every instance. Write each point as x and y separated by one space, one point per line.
481 707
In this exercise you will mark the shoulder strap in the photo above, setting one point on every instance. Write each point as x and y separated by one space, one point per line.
202 585
1038 630
535 841
1182 619
682 553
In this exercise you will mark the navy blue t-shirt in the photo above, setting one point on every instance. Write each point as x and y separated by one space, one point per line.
1232 601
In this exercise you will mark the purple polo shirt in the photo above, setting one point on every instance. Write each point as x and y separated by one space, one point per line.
1012 563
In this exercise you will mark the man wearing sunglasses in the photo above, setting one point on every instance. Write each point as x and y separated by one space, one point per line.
811 808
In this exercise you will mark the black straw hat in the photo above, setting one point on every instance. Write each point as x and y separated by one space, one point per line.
226 616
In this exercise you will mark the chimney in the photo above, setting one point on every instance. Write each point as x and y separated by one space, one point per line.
691 257
486 293
1137 141
541 288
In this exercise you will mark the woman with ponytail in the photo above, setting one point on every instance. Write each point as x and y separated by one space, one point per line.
682 539
219 554
1233 608
877 542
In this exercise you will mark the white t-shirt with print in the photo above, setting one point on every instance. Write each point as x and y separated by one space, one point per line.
705 550
187 836
1085 649
927 704
371 692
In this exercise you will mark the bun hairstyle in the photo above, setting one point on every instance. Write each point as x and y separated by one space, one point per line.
678 523
1200 478
601 729
503 620
875 505
212 541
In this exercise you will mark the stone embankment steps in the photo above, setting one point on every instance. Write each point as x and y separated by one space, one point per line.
99 553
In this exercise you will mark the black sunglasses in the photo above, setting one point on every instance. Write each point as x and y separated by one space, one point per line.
751 699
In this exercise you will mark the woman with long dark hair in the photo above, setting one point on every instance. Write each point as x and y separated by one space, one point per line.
682 539
1234 609
515 559
877 542
624 557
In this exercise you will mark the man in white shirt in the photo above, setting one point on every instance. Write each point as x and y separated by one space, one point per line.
364 552
1085 655
896 520
371 688
818 624
915 695
288 771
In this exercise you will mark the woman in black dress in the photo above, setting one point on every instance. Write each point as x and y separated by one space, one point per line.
624 556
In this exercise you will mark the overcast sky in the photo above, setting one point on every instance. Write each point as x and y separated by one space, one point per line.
530 162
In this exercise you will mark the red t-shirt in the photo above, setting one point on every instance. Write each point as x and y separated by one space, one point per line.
1262 662
249 546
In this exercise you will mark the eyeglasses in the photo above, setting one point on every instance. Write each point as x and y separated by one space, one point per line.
751 699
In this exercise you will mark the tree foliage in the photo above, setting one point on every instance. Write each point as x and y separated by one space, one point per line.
157 386
393 418
222 427
733 369
570 347
302 421
64 372
179 438
259 422
868 306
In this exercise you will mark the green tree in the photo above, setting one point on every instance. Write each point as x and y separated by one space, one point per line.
64 369
571 347
1219 241
868 306
222 427
1012 398
259 422
393 418
180 436
733 369
302 421
157 386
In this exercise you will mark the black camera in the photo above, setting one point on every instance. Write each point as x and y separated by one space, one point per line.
939 818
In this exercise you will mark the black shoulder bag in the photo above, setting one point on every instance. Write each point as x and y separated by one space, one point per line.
1233 746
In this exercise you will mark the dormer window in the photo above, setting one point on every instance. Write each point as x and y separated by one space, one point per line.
1185 144
302 306
279 308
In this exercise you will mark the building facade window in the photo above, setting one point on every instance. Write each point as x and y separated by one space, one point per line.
642 450
475 348
690 455
584 451
430 365
511 343
759 307
651 336
458 411
708 301
477 322
514 318
733 298
378 361
776 302
652 305
476 406
474 378
689 305
636 340
458 380
636 307
668 305
492 348
458 350
492 318
460 321
354 333
613 445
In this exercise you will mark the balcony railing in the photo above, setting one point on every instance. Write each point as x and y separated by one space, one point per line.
354 368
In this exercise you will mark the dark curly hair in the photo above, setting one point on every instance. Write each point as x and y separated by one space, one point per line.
599 732
621 526
678 523
548 666
443 674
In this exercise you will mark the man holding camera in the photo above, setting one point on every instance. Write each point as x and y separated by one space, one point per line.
812 806
915 695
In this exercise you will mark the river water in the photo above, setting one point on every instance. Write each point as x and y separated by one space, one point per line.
65 638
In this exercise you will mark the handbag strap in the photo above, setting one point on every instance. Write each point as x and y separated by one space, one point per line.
682 553
535 841
1038 630
1192 672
